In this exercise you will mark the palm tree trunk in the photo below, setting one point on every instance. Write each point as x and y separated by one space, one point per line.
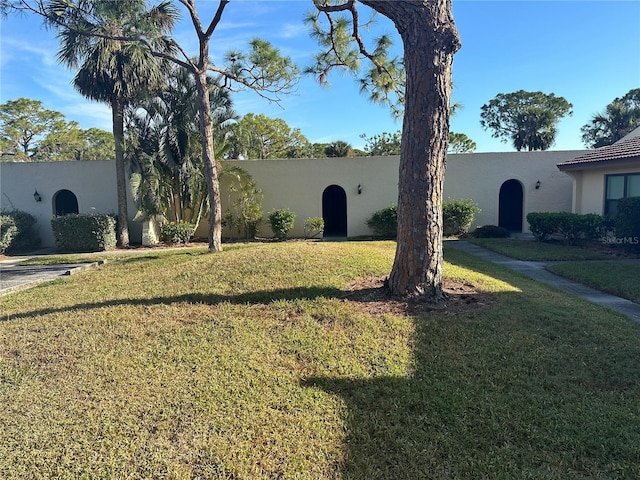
208 159
122 229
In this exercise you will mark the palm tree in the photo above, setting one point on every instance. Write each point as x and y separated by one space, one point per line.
166 148
339 148
110 70
619 118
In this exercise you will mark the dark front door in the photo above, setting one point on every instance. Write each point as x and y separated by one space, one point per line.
334 211
510 206
65 202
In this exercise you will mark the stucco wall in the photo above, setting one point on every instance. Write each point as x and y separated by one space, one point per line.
298 184
590 185
93 183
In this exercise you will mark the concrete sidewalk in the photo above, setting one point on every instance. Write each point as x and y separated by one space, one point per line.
15 277
537 271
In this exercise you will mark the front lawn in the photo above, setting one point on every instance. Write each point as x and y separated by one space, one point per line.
261 362
619 278
530 250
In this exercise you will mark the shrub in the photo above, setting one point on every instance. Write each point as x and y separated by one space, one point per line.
571 226
627 221
384 223
542 224
457 216
84 233
491 231
8 231
281 222
17 233
313 227
177 232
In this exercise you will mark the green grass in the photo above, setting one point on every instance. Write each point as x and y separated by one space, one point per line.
251 364
618 278
536 251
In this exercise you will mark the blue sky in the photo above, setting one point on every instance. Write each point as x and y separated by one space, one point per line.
585 51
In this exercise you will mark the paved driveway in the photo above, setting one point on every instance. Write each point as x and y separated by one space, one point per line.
15 277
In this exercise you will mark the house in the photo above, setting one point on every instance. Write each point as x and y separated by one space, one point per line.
603 176
344 191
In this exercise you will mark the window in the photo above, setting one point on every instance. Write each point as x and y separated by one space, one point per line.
620 186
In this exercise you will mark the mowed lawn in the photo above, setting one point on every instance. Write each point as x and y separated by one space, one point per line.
253 364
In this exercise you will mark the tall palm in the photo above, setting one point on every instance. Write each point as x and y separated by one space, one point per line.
166 148
113 71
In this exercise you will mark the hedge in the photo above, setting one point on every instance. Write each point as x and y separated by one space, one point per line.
84 233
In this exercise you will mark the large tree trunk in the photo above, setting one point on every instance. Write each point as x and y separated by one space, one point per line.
211 170
430 41
122 229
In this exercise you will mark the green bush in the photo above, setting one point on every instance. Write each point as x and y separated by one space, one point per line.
180 232
17 232
313 227
491 231
281 222
384 223
571 226
8 231
457 216
627 221
84 233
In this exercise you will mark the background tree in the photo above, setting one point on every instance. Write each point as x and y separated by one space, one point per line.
165 148
28 132
24 124
384 143
421 82
339 148
620 117
260 137
460 143
527 119
261 69
110 70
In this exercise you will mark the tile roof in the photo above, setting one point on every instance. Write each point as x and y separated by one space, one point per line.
621 150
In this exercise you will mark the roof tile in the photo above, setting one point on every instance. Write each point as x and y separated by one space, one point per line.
621 150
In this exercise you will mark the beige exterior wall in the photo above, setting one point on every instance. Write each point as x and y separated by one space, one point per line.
92 182
589 186
298 184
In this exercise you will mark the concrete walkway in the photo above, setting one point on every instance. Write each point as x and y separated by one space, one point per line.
537 271
15 277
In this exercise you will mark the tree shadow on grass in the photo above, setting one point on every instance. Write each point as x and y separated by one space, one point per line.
263 297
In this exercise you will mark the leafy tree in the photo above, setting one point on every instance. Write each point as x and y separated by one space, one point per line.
339 148
460 143
384 143
165 147
619 118
421 83
28 132
527 119
110 70
261 69
260 137
24 123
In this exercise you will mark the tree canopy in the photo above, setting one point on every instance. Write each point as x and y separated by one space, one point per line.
527 119
619 118
387 143
257 136
30 132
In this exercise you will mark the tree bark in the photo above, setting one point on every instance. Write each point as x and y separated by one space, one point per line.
209 161
122 228
430 41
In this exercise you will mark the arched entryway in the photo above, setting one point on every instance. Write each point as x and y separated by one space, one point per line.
334 211
65 202
510 206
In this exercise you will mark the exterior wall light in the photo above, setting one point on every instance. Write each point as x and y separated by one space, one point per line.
538 184
37 196
359 189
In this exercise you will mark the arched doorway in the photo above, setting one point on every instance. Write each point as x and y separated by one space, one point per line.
65 202
510 206
334 211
